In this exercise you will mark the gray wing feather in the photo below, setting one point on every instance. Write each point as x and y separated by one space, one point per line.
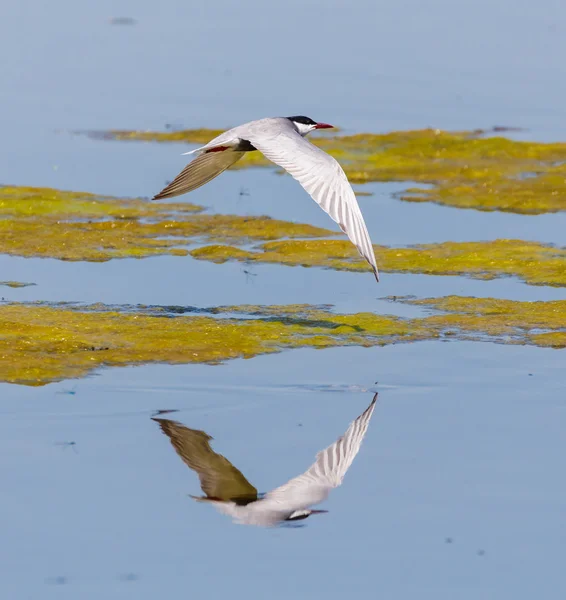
321 176
219 478
201 170
329 468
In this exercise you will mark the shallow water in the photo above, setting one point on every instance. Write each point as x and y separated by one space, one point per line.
456 491
465 445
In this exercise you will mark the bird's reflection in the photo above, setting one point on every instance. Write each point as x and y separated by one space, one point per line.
232 494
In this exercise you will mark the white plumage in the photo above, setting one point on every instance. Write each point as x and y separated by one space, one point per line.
281 140
232 494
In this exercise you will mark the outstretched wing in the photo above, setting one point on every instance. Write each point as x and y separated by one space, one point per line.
201 170
329 468
219 478
321 176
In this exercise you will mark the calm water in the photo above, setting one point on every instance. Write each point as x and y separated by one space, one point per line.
457 491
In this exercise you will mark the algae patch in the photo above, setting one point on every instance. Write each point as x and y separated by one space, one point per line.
16 284
45 222
535 263
188 136
41 343
539 323
465 169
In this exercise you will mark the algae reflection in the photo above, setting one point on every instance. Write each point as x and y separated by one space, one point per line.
228 490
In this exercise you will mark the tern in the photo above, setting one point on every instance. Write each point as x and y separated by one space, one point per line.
232 494
282 141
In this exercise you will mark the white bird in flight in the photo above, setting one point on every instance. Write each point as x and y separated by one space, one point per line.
233 495
282 141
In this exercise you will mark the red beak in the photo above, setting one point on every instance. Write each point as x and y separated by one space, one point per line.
324 126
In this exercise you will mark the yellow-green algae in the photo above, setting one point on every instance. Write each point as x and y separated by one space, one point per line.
40 343
465 169
535 263
498 318
44 222
67 225
187 136
16 284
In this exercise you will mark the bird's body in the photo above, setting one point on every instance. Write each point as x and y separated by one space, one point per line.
282 140
232 494
263 512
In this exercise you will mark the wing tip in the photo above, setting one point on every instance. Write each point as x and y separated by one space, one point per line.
369 409
166 192
375 271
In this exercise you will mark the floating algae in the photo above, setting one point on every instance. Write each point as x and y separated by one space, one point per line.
43 222
15 284
39 344
464 169
42 343
46 222
535 263
509 321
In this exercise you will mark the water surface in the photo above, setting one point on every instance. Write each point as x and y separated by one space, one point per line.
456 492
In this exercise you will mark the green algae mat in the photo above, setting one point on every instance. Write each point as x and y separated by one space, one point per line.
463 169
534 263
44 222
16 284
40 344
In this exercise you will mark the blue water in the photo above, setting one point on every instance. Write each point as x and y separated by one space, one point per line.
457 490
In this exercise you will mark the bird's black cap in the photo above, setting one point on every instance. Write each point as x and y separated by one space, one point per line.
302 119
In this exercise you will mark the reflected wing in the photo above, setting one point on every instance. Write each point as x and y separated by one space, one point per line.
219 478
201 170
329 468
322 177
